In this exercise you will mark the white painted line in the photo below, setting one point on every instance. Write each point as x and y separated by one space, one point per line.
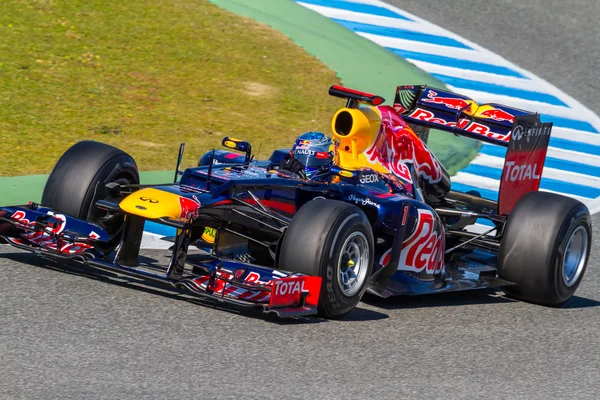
154 241
573 156
370 19
508 81
575 136
429 48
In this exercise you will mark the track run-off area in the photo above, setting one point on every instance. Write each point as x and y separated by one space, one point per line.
73 334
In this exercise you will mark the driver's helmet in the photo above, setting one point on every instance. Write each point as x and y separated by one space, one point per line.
315 151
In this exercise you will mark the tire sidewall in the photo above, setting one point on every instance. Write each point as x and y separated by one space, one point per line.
333 301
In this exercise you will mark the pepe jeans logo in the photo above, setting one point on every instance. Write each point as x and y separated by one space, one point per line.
364 201
149 199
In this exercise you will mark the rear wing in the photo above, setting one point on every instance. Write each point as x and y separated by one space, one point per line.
461 115
521 131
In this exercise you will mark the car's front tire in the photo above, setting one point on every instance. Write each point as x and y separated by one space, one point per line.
333 240
79 180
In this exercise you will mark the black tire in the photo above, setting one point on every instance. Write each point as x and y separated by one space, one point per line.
79 178
313 245
534 244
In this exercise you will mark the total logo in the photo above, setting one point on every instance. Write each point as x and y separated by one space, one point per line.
520 172
369 178
283 288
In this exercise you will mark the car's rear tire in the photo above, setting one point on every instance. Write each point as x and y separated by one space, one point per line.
79 180
545 248
333 240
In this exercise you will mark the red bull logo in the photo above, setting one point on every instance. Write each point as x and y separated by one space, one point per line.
463 123
497 115
189 207
455 103
396 145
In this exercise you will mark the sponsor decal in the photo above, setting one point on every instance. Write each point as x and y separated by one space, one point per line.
530 133
149 200
464 124
455 103
369 178
209 235
254 277
497 115
424 250
397 145
346 174
288 291
48 237
189 207
364 201
283 288
304 152
514 172
230 144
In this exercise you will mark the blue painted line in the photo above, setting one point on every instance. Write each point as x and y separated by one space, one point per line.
356 7
159 229
401 34
569 123
462 83
551 162
457 63
575 146
548 184
485 193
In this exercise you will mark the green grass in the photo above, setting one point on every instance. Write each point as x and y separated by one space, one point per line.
145 75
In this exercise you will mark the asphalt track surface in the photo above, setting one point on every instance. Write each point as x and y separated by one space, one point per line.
75 335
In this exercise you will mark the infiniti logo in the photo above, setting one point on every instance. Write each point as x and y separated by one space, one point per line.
148 199
518 132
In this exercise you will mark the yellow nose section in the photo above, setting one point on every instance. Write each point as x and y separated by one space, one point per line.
152 203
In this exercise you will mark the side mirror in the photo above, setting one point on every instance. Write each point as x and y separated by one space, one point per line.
238 145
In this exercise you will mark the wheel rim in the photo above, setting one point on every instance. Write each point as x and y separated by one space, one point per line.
353 264
575 255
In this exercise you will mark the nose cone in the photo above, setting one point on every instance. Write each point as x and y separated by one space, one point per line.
152 203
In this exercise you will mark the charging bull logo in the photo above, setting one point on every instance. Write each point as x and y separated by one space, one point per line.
455 103
396 146
189 207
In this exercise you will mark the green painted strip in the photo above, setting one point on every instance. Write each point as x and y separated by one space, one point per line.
23 189
360 63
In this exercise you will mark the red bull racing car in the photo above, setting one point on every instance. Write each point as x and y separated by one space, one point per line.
383 220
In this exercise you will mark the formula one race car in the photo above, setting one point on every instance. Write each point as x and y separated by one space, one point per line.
384 221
